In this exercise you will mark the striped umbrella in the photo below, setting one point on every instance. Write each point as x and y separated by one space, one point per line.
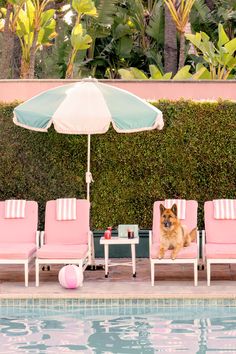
87 107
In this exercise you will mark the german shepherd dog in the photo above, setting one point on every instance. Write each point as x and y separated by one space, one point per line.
173 235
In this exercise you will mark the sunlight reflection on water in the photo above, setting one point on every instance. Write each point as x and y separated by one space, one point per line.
118 330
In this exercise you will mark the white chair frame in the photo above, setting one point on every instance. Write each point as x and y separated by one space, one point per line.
24 262
211 261
81 262
155 261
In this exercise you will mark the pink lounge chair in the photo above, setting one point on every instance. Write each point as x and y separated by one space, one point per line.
65 241
188 254
18 237
219 240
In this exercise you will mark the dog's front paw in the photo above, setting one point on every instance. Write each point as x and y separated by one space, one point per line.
173 257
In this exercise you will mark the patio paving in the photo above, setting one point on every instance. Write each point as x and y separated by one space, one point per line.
171 281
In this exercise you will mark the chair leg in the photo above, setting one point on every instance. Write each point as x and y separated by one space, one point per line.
92 261
90 257
152 273
195 273
81 271
36 272
26 274
208 273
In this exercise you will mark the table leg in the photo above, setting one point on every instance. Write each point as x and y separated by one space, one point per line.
133 255
106 255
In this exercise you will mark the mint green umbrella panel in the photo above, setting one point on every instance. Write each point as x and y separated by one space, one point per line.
88 107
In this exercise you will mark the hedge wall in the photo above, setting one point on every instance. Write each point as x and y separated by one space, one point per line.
193 157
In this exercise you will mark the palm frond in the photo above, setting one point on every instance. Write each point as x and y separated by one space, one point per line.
137 14
106 10
100 26
173 11
155 28
202 9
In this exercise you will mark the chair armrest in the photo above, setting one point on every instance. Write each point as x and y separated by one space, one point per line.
37 238
91 248
203 245
41 242
198 243
90 239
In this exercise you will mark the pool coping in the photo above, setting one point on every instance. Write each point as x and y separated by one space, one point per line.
121 285
71 304
116 297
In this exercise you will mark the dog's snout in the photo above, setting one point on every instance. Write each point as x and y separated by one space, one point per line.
167 223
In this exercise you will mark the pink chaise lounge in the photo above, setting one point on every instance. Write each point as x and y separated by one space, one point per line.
219 240
18 237
186 255
65 241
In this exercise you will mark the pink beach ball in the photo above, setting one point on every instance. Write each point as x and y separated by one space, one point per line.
70 276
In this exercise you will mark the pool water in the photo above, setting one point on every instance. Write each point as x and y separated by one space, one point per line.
129 330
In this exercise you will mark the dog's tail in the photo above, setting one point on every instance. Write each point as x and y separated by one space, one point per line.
193 234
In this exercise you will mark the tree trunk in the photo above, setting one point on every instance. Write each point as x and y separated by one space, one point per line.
24 69
170 45
16 58
188 30
7 46
33 50
90 50
70 65
210 4
181 50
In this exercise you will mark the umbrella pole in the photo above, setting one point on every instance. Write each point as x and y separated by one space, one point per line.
89 179
88 173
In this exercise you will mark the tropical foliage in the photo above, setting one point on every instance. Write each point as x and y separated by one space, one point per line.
180 12
35 27
155 74
106 38
80 40
218 60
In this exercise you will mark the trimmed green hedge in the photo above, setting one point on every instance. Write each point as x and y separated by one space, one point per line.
193 157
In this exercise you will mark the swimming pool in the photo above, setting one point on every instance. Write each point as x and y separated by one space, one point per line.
118 326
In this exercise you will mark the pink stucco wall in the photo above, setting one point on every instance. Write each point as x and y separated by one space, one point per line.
22 90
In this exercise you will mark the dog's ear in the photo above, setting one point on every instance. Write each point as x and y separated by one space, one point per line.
162 208
174 209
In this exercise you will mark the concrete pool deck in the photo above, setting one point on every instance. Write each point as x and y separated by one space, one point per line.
170 282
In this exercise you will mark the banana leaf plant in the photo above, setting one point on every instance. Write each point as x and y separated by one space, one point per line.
219 60
8 19
80 40
101 25
35 28
156 74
